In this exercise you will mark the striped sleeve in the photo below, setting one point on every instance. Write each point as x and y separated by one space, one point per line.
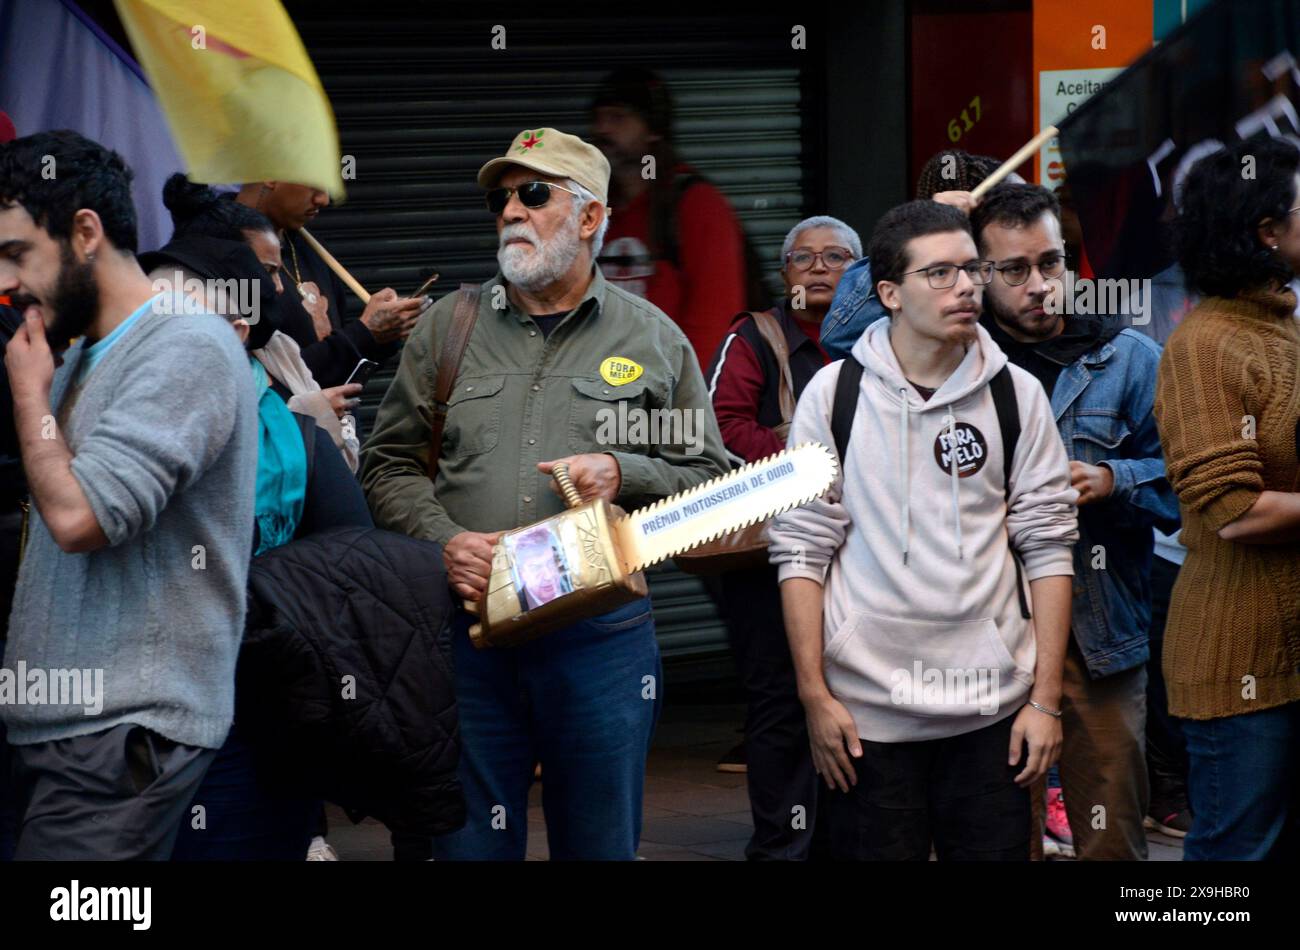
736 385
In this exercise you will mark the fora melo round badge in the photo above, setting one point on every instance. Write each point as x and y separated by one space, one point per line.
619 370
966 443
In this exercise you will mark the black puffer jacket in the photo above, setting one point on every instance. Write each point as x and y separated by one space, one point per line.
343 681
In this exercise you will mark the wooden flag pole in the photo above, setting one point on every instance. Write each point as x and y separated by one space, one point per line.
1015 161
338 268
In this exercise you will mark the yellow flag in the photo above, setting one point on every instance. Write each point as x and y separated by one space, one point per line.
240 94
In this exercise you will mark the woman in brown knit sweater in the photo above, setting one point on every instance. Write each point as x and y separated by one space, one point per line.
1228 408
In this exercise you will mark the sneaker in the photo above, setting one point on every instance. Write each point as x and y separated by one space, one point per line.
321 850
1058 824
734 761
1056 849
1171 820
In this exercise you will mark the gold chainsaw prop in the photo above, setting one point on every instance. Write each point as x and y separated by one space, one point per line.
589 559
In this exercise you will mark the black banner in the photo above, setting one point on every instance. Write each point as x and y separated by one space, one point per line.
1230 71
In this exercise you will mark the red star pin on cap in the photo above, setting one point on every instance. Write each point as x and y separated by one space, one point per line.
554 153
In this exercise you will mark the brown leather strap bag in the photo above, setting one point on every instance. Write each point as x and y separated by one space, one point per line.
747 547
775 337
453 351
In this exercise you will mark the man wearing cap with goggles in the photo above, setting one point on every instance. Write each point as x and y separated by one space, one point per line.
558 364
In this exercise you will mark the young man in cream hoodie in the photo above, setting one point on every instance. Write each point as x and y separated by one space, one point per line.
932 697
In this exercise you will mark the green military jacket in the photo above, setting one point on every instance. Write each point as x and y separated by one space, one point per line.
523 398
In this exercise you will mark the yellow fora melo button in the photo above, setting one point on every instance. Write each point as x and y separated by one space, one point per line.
617 370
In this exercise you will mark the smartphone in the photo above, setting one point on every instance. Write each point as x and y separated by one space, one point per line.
426 285
362 372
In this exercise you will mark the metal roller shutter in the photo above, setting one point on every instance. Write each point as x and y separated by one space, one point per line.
422 102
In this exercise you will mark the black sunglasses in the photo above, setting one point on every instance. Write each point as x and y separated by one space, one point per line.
532 194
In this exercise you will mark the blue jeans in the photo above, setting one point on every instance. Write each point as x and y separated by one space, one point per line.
1242 784
582 701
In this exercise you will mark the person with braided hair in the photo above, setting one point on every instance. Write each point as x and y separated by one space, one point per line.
948 177
954 170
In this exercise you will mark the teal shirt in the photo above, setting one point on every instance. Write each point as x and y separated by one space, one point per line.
92 355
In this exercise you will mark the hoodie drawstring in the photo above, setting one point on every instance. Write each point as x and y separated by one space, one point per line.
952 468
902 454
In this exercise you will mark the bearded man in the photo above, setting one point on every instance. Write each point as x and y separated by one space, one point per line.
141 456
536 387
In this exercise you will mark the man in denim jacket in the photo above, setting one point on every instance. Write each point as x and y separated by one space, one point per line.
856 307
948 178
1101 381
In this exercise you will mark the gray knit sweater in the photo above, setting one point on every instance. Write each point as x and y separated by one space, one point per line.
164 441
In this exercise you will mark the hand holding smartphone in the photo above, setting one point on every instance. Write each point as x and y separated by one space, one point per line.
362 372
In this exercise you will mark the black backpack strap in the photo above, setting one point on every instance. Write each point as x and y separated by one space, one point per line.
666 231
845 406
663 226
664 245
1004 401
1008 410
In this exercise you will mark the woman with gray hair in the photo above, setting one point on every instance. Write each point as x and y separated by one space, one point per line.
745 374
759 370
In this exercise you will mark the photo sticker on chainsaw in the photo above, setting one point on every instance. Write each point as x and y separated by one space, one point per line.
965 443
539 566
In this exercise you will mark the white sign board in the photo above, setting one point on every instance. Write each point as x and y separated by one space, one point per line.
1060 92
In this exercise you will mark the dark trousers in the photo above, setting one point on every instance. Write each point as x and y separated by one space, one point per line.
1103 759
957 794
242 813
782 783
1166 746
10 530
8 805
116 795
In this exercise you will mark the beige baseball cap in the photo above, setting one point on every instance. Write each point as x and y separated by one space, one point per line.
555 153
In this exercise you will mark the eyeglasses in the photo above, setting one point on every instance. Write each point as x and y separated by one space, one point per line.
532 194
834 258
943 276
1017 273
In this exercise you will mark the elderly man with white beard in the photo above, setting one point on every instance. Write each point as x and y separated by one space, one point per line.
553 354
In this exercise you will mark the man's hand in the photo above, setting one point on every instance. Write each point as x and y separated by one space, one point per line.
1092 482
834 737
340 397
389 317
29 361
963 201
468 557
1043 733
595 475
